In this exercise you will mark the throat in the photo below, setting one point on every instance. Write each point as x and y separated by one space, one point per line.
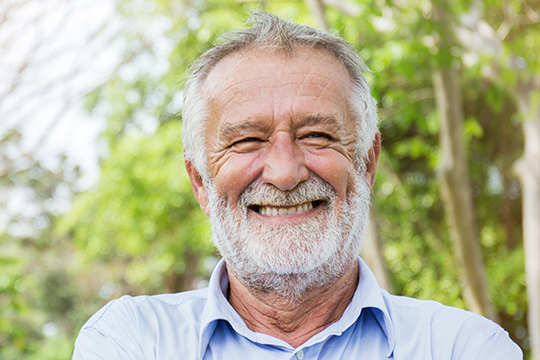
297 321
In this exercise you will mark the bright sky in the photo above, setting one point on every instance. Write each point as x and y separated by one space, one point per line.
64 55
53 52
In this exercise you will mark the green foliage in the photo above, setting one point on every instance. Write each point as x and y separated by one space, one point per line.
13 304
142 212
35 193
418 252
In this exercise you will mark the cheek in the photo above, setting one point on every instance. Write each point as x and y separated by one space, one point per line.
234 175
333 168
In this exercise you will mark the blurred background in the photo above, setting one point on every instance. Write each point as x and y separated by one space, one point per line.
95 202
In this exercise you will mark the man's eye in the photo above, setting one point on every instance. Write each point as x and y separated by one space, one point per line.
247 141
317 135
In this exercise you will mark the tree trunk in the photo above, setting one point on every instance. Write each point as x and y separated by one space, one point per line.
528 170
453 173
457 195
372 254
526 93
185 281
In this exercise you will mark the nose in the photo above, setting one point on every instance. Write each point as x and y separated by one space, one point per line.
284 164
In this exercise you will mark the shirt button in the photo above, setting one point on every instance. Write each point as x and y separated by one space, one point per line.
300 355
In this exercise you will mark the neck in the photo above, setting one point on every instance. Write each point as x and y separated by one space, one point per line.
293 321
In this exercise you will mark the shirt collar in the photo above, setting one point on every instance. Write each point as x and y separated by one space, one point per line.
368 295
217 307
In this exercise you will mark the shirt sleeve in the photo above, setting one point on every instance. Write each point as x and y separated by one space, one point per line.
477 337
495 346
111 334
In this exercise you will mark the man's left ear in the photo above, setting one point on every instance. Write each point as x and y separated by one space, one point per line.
197 184
372 158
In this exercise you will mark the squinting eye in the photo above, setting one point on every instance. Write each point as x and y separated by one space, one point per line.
249 140
316 135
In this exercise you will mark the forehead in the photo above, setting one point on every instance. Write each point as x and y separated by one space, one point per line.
271 83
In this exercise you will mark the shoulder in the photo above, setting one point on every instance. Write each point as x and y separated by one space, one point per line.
406 310
436 328
136 327
133 310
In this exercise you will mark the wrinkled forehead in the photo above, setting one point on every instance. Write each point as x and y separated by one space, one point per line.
262 71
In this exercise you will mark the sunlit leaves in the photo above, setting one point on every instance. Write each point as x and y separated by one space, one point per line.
143 209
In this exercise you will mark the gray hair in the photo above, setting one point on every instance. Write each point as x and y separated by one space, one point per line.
267 31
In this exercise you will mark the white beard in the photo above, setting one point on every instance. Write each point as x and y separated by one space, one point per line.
289 260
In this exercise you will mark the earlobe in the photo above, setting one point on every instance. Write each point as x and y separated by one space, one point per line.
373 157
197 184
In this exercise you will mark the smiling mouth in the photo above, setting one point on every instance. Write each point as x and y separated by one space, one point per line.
272 210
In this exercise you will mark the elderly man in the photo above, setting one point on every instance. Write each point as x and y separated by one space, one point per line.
281 146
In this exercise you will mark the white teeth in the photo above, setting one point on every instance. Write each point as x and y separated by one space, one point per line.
274 211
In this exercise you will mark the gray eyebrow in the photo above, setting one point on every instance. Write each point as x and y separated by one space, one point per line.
319 119
230 130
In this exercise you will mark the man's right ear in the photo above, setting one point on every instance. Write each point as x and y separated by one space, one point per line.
197 184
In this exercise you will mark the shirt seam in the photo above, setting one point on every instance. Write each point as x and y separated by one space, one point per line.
108 306
104 335
491 334
423 303
181 302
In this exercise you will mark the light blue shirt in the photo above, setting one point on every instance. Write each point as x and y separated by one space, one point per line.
202 325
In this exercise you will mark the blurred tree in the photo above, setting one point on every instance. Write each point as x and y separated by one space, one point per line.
32 196
509 57
142 220
453 172
45 56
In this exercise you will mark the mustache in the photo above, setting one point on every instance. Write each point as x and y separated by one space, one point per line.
312 189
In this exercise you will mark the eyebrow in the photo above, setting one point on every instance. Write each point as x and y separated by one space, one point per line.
230 130
319 119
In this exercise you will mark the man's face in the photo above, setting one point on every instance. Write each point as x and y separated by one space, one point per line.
281 158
